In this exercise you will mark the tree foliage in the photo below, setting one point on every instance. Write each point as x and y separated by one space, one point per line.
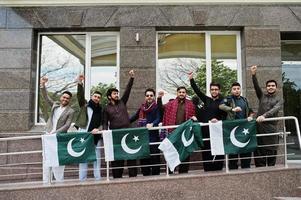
292 97
102 88
220 74
177 75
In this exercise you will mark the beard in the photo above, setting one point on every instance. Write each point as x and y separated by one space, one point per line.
215 96
115 99
181 97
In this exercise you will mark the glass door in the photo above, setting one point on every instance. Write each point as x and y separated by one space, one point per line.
291 70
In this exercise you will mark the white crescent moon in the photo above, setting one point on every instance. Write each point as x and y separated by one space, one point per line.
235 141
126 148
185 142
72 152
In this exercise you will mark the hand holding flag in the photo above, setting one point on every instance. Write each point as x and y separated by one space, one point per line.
181 143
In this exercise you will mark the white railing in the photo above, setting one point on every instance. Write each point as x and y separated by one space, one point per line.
15 166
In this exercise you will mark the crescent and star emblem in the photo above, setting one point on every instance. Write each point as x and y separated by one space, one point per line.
187 142
72 152
235 141
125 146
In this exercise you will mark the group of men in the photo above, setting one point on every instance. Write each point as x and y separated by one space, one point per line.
93 118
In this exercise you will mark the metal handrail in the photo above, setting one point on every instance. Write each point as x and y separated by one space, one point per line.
175 126
156 143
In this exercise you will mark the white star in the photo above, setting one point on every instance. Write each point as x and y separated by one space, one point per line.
82 140
136 138
246 131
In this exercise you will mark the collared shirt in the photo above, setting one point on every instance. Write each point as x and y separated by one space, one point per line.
56 115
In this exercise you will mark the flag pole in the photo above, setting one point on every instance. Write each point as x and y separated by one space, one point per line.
227 162
167 171
50 176
284 140
108 170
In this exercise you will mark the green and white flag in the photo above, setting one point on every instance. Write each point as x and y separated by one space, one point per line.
232 137
126 144
181 143
68 148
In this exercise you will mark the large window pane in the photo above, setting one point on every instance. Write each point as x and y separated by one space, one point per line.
224 61
62 58
178 54
291 70
103 63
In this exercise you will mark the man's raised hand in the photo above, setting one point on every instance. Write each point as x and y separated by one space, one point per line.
132 73
43 81
80 78
253 69
160 94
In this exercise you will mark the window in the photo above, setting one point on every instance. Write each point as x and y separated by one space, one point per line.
212 56
291 70
63 57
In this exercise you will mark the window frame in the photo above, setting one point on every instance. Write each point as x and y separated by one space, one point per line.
88 36
208 54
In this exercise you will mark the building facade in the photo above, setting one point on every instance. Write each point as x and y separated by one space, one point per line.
152 39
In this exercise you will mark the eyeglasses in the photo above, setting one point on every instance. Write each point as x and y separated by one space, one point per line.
149 95
214 89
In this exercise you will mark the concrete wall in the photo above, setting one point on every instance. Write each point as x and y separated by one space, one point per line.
233 186
260 26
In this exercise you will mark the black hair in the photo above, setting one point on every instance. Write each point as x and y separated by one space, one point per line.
181 87
235 84
67 92
215 84
271 81
97 92
110 91
150 90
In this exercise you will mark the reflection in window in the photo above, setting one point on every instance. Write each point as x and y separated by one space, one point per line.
62 59
103 63
291 70
181 53
178 54
224 61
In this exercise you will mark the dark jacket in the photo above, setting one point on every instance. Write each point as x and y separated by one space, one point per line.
210 107
82 118
228 104
151 117
269 106
116 116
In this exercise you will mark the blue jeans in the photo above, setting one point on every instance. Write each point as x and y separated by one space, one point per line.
83 167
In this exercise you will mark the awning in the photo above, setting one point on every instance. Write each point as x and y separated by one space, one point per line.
103 48
192 45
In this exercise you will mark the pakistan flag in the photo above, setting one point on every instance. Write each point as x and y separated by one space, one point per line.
68 148
233 137
181 143
126 144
